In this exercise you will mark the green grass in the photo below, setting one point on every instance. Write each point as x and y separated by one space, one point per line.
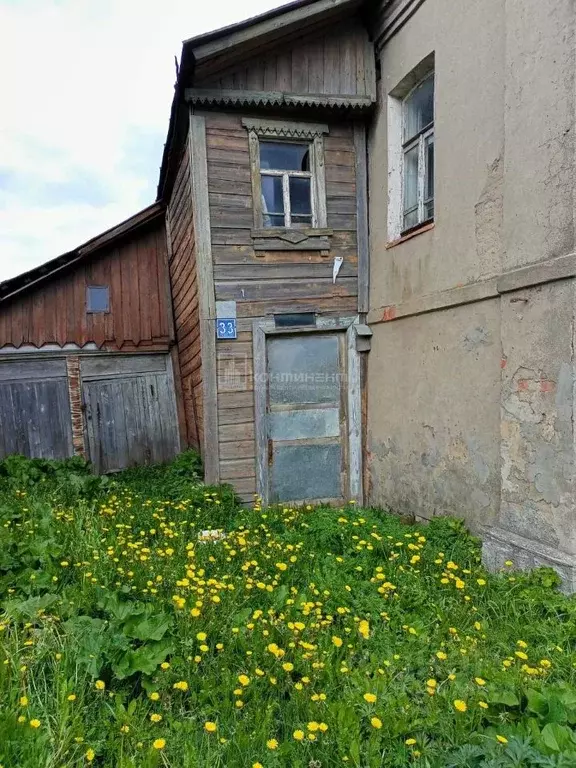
380 643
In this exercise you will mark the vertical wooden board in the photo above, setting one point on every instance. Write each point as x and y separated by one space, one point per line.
260 398
300 71
316 66
347 65
270 73
331 65
359 53
119 334
284 72
255 77
146 280
362 217
354 418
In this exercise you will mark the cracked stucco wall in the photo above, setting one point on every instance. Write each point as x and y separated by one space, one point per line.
471 409
537 431
434 405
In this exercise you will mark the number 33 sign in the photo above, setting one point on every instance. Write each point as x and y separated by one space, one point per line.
226 329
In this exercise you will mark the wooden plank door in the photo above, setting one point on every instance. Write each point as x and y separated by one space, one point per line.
35 409
306 417
130 413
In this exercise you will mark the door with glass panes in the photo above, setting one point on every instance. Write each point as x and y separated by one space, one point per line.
306 417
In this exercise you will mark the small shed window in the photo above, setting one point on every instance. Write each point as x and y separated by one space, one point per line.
286 184
97 298
418 150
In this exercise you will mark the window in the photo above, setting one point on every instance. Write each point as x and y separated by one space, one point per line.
97 298
410 135
418 151
286 181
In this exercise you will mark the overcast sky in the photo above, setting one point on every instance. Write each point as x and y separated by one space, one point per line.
85 94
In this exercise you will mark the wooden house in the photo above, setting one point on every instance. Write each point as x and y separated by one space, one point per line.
264 179
229 315
86 365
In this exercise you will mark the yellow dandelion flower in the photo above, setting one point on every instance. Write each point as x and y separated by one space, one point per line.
375 722
287 666
23 701
483 704
244 680
323 727
501 739
35 723
100 685
181 685
90 755
337 641
272 744
313 726
210 727
479 681
155 718
460 706
370 698
441 655
410 742
154 696
159 743
298 735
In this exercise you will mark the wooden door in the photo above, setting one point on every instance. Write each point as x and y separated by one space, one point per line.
35 408
130 411
306 417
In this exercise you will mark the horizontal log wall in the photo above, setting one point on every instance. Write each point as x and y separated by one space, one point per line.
139 318
183 277
265 283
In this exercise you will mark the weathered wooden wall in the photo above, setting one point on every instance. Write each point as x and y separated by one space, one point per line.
35 409
185 299
55 312
265 283
338 60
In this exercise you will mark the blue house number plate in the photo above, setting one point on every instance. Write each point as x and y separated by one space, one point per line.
226 329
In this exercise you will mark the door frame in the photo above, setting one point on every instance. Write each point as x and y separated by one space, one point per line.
261 328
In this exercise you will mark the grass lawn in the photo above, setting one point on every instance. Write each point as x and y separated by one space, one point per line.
305 637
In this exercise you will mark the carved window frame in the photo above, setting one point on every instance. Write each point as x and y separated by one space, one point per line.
259 129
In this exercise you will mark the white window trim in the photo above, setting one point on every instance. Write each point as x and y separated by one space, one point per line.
286 176
279 130
397 149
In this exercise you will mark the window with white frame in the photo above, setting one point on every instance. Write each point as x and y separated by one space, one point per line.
418 151
288 177
410 132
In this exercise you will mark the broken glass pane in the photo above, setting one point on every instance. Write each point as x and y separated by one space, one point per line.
283 156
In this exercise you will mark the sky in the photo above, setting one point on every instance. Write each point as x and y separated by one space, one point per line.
85 94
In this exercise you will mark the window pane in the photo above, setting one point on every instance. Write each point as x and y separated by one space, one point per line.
97 299
411 180
272 201
283 156
305 472
429 177
303 369
419 108
300 201
410 219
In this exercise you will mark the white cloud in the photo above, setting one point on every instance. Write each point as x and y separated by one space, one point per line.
85 94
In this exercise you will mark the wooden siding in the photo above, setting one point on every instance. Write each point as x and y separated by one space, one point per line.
265 283
35 409
185 299
334 61
130 410
55 311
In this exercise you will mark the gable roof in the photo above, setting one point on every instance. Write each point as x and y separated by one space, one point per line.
24 281
237 41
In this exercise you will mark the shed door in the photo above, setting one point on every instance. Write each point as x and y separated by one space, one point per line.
306 419
130 411
35 409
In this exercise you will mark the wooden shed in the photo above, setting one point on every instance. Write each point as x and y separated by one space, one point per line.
86 352
264 179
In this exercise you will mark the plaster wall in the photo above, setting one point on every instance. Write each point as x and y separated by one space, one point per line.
471 373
